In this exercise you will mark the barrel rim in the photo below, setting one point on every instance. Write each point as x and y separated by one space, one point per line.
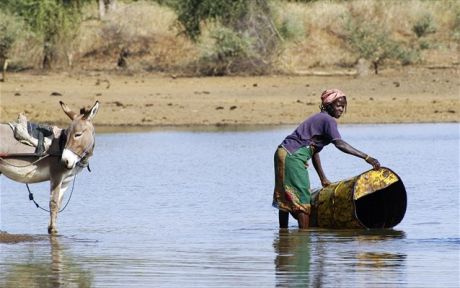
367 171
354 201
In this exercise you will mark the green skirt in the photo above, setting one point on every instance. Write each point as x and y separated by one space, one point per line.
292 183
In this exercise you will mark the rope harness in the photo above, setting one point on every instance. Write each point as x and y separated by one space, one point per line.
83 163
31 197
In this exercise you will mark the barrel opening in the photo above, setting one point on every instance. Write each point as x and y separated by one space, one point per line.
383 208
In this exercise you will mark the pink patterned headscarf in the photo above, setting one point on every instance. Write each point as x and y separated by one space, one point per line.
330 96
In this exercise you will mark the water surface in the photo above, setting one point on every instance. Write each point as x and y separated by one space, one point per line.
193 209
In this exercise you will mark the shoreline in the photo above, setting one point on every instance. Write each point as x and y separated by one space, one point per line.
152 101
230 127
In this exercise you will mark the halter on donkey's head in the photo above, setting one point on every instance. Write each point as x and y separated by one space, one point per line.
80 135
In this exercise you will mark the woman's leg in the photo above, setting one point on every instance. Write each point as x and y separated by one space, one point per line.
283 218
297 185
292 186
303 219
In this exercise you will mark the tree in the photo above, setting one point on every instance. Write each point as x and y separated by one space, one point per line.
192 12
10 27
373 43
53 21
106 6
246 40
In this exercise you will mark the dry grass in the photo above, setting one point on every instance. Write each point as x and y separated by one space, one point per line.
324 22
147 30
151 35
26 52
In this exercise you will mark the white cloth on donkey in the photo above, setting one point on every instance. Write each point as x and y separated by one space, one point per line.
22 135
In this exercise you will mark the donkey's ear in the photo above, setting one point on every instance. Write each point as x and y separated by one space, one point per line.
92 112
67 111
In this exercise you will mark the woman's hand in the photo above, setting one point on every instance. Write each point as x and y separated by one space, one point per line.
374 162
325 182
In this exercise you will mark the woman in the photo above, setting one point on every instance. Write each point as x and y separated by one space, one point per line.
292 184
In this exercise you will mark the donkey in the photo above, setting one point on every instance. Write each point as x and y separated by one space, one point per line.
66 156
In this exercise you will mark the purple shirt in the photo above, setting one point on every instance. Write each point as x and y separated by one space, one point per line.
317 130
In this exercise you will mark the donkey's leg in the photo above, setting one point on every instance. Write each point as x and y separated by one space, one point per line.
58 189
54 206
64 185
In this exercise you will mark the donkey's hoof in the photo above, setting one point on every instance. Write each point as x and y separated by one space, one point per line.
52 231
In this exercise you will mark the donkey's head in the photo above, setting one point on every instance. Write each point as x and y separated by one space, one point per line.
80 135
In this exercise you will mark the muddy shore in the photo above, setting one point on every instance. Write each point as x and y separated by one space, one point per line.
146 100
7 238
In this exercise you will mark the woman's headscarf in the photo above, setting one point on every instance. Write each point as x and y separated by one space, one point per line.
330 96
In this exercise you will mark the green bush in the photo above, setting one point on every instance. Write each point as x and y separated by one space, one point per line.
229 50
406 56
456 26
10 30
230 44
424 25
56 22
372 42
292 28
424 45
246 42
192 12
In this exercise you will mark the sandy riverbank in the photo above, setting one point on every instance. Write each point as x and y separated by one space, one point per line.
8 238
403 96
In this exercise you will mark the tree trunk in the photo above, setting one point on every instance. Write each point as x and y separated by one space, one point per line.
376 67
5 67
111 5
101 9
105 6
47 55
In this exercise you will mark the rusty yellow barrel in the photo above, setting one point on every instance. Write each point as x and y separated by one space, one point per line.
373 199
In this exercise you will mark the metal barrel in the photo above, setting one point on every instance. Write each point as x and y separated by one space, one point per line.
373 199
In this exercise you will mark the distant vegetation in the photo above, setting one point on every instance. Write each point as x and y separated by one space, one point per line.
219 37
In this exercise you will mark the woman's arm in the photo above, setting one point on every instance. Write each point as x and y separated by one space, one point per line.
319 169
347 148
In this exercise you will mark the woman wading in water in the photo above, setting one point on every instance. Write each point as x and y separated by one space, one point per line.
292 183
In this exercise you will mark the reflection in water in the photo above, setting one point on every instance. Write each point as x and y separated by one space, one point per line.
292 258
301 255
199 217
379 259
374 260
54 270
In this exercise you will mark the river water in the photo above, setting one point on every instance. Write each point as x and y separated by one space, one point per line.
193 209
